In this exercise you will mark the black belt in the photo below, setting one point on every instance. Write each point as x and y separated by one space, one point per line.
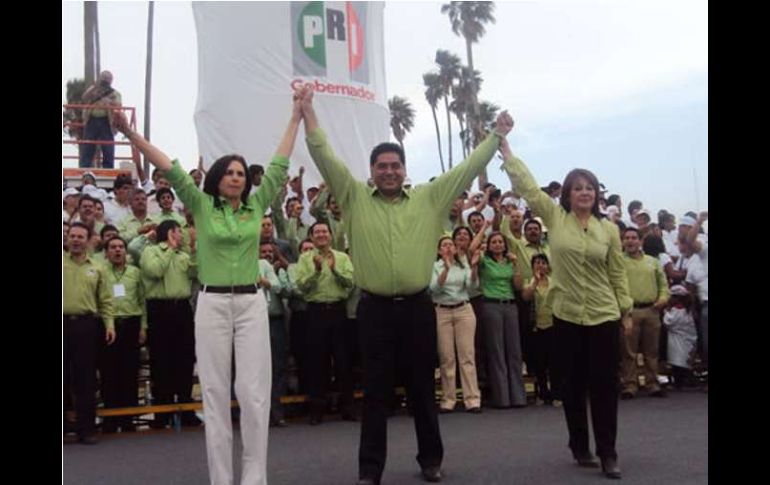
643 305
327 305
497 300
393 298
240 289
85 316
458 305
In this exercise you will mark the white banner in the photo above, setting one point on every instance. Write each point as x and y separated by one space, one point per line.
252 54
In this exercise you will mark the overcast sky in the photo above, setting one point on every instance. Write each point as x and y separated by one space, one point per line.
618 87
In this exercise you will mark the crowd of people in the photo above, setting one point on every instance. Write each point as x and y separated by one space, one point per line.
244 272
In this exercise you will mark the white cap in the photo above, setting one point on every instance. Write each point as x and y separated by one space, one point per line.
679 290
643 212
686 221
69 191
509 201
90 190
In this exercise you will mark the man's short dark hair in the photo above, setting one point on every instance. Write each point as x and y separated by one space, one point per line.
84 199
319 223
631 229
113 238
632 206
161 232
121 181
533 221
107 227
254 169
386 147
475 213
81 225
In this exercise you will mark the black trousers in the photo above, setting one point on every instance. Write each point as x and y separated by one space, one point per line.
120 368
479 346
298 347
171 339
398 334
542 355
526 323
83 337
328 338
588 363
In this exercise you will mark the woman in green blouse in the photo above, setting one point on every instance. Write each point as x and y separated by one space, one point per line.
231 317
497 271
588 297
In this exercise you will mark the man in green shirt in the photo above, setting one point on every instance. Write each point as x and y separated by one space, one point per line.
649 290
168 272
392 233
139 222
87 305
325 277
120 361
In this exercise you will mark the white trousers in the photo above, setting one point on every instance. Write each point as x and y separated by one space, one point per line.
224 321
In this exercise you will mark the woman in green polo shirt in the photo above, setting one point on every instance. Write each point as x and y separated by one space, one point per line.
501 325
231 312
588 296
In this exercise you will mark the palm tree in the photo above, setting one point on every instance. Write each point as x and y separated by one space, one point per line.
432 83
463 94
468 20
148 78
448 71
90 32
487 115
401 118
75 90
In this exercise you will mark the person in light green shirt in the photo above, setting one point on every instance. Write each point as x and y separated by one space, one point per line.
325 277
456 325
139 222
298 321
86 298
325 209
120 361
275 285
231 314
588 297
649 290
168 272
391 232
542 355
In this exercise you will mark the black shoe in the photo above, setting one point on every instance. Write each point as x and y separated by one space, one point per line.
445 410
659 393
476 410
109 428
626 395
190 420
278 423
585 459
432 474
315 420
128 428
610 468
349 417
159 423
88 440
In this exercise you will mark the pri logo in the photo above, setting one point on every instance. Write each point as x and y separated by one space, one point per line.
328 40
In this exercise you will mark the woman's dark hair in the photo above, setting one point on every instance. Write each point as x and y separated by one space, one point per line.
163 191
462 228
570 180
438 248
541 257
488 252
217 172
161 232
653 246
